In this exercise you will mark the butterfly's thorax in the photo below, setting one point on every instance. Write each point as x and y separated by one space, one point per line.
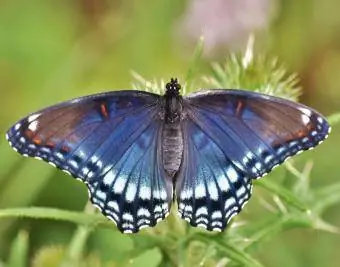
172 138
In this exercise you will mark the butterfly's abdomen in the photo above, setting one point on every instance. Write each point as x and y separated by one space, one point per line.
172 147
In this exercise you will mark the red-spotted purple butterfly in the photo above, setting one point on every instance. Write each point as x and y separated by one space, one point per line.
138 151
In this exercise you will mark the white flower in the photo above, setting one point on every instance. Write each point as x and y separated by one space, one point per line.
225 22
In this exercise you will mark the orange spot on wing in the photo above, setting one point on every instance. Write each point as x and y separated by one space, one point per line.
239 108
103 109
29 134
301 133
65 149
37 140
50 144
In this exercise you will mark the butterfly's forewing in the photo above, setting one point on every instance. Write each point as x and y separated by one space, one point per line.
232 137
110 142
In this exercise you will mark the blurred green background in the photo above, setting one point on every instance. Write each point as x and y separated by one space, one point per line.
56 50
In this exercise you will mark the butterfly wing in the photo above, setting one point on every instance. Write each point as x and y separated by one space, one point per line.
110 142
232 137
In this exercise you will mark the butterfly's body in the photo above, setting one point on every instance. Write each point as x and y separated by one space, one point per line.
172 148
172 141
137 151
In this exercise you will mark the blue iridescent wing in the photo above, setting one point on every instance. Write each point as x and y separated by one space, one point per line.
110 142
232 137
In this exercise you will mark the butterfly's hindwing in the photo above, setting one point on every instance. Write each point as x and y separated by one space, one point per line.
210 188
132 191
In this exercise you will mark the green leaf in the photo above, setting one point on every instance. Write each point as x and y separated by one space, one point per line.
56 214
77 245
51 256
282 192
275 226
326 197
231 251
19 251
194 64
150 258
260 74
9 159
104 240
334 118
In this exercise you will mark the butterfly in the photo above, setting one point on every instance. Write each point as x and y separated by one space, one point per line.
137 151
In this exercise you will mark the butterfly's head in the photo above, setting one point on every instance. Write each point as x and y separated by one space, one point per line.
173 88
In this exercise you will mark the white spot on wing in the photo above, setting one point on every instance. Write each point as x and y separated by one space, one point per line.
187 219
59 155
142 223
17 126
202 219
230 202
188 208
127 217
258 165
212 189
305 111
181 206
143 212
305 119
113 217
223 183
160 194
216 215
145 192
232 174
186 194
247 157
244 203
144 226
200 191
108 178
33 126
113 205
216 223
201 211
158 209
119 185
73 163
33 117
52 164
131 192
231 214
100 195
202 225
241 191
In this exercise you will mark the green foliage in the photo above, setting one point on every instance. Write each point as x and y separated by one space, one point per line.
291 202
254 72
19 251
